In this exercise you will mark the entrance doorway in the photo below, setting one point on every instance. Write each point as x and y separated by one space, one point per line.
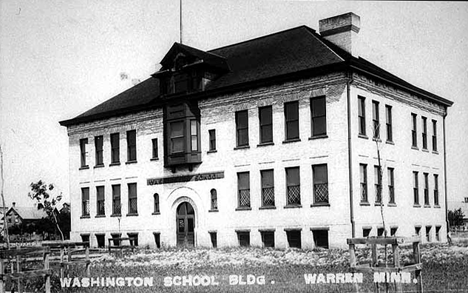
185 223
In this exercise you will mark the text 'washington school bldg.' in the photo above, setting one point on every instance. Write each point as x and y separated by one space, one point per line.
269 142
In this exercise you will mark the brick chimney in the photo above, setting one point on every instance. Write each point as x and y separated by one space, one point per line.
342 31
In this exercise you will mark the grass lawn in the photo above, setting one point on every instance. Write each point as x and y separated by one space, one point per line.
255 270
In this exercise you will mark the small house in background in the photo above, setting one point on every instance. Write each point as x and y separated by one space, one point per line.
18 215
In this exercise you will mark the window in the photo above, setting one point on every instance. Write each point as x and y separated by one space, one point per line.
115 238
318 110
380 232
268 238
156 203
293 186
100 207
434 135
132 198
243 189
428 233
291 116
244 238
131 146
376 119
437 231
436 190
115 148
426 189
417 230
424 133
85 201
320 238
415 188
414 133
135 238
242 128
268 188
378 184
266 124
177 136
214 239
294 238
388 112
100 238
393 231
320 181
391 185
85 238
98 144
214 199
194 135
363 176
362 115
83 152
466 199
157 239
116 202
154 148
212 135
366 232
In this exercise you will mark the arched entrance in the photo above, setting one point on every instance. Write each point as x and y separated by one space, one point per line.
185 223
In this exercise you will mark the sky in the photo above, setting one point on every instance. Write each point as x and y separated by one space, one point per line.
61 58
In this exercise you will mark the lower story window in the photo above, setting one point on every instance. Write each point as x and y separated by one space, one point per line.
101 241
320 238
380 232
135 238
157 239
214 239
244 238
116 239
268 238
85 238
294 238
393 231
428 233
366 232
437 233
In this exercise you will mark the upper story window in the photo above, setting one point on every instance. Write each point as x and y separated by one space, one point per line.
266 124
116 200
132 199
320 178
414 131
115 148
362 115
85 201
268 188
214 199
98 144
212 135
83 152
391 185
426 189
100 201
318 110
291 117
415 188
243 189
376 119
389 123
436 190
293 186
424 133
242 128
434 135
378 184
363 183
156 203
131 146
154 148
182 133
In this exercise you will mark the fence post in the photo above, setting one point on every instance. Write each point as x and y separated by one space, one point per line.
2 278
18 270
88 262
46 267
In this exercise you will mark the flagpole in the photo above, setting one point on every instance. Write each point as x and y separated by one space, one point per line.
180 20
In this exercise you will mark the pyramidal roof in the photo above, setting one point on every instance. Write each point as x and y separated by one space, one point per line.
292 53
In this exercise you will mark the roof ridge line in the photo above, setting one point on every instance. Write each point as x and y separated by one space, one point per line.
262 37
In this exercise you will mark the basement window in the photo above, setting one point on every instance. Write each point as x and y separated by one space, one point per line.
100 238
294 238
320 238
244 238
268 238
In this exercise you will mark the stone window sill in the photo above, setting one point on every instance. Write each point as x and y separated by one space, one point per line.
131 162
293 206
262 144
211 151
84 167
156 213
241 147
116 215
114 164
322 204
321 136
154 159
364 204
99 166
132 215
100 216
291 140
390 142
243 209
213 211
85 217
392 204
416 206
415 148
363 136
267 208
